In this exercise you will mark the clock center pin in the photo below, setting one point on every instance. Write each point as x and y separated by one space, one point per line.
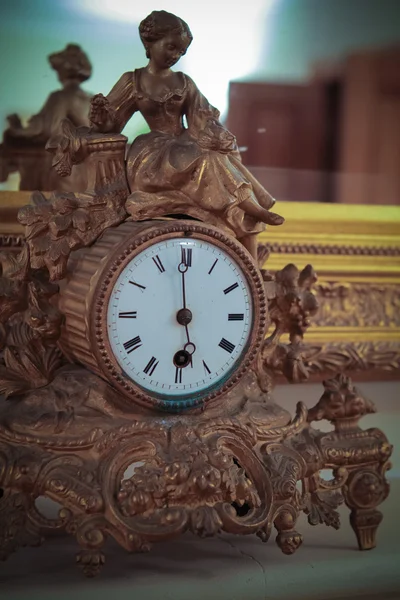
184 316
182 359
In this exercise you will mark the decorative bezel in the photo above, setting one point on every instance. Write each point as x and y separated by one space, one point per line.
127 250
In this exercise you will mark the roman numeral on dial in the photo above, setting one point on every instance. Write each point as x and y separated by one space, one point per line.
151 366
213 265
127 315
225 345
206 369
142 287
186 256
158 263
178 375
235 317
231 288
133 344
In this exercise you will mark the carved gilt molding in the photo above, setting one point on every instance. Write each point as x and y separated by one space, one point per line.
355 251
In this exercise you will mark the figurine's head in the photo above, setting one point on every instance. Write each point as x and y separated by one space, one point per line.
71 64
165 37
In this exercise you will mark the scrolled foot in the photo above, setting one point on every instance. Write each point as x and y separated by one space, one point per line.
90 561
288 539
365 524
366 489
91 539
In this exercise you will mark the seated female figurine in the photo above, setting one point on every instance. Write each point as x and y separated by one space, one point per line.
194 170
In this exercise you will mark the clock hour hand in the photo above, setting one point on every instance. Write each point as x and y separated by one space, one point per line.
182 268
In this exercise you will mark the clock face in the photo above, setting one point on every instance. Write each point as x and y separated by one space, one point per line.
179 317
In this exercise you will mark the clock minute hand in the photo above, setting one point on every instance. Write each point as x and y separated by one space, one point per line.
184 315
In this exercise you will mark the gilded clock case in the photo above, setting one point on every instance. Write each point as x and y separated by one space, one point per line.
86 291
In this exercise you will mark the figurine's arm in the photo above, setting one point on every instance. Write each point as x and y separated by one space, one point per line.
78 109
41 125
203 122
110 114
197 108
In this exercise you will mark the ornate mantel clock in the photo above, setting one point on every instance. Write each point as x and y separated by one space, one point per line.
141 337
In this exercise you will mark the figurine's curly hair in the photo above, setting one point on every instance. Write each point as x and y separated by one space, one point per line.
72 62
158 24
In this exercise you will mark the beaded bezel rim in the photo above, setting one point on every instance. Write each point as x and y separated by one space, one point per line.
123 255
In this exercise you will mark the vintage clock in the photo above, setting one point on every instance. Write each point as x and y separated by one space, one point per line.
170 312
136 347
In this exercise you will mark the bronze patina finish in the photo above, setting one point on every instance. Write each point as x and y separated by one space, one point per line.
73 423
23 148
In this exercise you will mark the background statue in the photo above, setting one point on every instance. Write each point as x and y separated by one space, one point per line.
23 148
194 170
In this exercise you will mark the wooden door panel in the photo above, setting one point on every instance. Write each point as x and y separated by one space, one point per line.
282 127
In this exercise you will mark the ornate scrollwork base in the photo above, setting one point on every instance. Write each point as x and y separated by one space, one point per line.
141 478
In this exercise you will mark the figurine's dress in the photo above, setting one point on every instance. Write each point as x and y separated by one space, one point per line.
199 166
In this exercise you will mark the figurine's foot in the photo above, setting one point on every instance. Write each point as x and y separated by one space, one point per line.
266 201
260 214
365 524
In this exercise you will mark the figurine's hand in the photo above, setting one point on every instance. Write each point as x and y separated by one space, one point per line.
99 112
227 143
206 141
215 137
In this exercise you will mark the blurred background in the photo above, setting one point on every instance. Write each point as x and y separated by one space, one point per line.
310 88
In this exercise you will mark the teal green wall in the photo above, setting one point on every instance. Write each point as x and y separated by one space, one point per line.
305 31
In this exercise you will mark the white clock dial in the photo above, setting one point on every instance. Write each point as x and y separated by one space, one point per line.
151 336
